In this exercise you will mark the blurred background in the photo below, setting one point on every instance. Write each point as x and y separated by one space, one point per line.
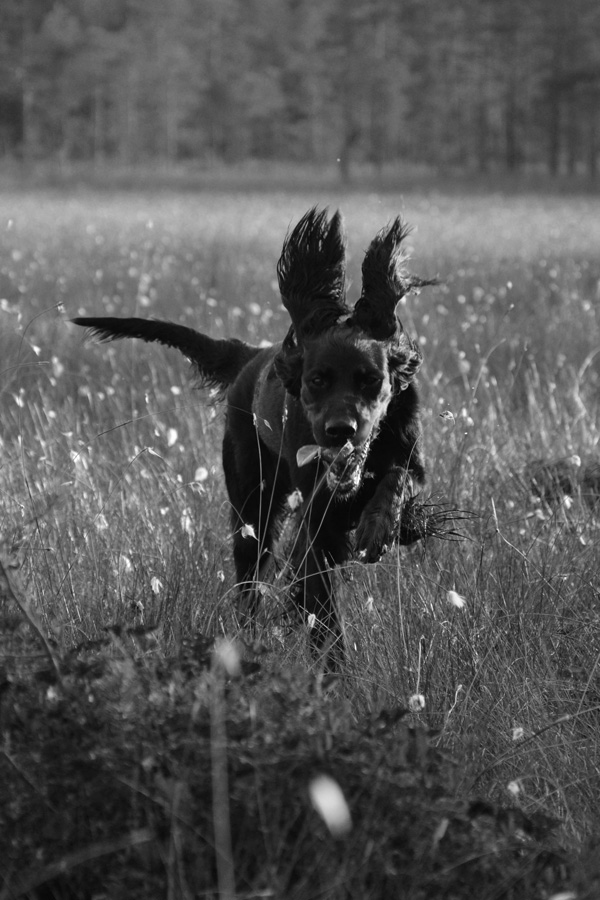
354 85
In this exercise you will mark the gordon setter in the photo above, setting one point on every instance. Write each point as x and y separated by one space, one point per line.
330 415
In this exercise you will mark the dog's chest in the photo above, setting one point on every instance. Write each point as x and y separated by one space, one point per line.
269 409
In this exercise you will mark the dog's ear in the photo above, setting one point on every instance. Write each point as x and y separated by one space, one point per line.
385 282
404 360
312 273
288 364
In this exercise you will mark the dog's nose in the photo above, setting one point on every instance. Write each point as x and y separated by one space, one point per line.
341 429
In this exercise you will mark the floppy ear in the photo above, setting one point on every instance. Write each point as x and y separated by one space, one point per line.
288 364
385 282
312 273
404 360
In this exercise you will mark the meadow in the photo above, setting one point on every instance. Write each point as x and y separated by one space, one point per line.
473 672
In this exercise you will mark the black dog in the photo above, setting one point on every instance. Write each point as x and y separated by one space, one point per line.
331 412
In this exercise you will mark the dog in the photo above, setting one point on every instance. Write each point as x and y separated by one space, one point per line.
329 416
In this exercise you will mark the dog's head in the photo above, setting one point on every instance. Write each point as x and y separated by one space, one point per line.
344 364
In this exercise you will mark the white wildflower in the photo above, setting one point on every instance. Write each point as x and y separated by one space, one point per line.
416 703
227 654
455 599
187 522
52 695
125 564
328 800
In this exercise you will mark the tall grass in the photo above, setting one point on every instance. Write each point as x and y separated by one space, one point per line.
113 501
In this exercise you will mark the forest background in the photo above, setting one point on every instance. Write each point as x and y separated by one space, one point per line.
477 85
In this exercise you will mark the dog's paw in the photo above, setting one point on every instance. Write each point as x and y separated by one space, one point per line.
373 537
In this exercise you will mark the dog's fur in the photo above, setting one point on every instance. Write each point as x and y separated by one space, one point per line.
331 412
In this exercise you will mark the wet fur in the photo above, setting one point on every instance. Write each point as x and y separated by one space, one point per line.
339 376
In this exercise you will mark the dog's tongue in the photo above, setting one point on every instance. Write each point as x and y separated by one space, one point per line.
306 454
309 452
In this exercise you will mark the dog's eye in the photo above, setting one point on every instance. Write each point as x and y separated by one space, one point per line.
317 381
371 380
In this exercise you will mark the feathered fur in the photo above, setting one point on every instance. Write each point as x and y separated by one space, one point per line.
217 363
312 273
385 282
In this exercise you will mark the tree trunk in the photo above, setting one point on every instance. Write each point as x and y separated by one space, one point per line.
98 125
572 112
171 116
512 153
482 138
554 131
593 138
128 115
27 94
344 160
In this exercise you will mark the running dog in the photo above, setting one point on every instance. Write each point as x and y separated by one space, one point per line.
330 415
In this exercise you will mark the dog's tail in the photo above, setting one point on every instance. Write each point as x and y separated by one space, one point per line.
217 363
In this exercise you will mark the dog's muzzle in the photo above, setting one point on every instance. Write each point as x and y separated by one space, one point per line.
345 465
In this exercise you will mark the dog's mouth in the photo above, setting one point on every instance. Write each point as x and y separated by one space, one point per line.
345 464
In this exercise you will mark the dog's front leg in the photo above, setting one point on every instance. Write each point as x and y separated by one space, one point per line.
380 520
315 552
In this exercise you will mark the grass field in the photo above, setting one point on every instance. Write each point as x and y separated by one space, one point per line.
116 557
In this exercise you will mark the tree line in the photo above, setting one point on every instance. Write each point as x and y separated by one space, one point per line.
476 84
